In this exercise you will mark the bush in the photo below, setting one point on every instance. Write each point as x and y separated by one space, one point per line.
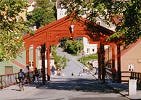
85 59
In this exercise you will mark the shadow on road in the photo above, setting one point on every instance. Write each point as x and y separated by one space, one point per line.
85 85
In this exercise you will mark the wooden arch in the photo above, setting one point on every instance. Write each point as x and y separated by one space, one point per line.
66 27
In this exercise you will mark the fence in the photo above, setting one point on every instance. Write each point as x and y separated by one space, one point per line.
125 75
11 79
7 80
137 76
108 73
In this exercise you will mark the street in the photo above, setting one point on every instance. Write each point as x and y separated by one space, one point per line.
66 87
63 89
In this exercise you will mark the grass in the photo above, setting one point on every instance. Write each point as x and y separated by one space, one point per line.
84 60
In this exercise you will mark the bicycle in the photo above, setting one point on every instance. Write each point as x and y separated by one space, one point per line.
21 84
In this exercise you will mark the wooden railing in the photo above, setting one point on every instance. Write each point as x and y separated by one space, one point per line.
136 75
7 80
125 75
11 79
131 75
108 73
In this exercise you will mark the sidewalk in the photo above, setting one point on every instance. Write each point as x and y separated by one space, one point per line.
122 89
13 93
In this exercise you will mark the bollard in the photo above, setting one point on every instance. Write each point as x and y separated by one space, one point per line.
132 87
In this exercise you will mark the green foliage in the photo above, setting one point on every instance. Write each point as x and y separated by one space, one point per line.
130 28
12 27
84 60
73 46
60 61
132 21
43 13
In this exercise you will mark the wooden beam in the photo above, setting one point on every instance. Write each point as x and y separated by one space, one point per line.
34 57
48 62
119 63
99 61
43 63
27 56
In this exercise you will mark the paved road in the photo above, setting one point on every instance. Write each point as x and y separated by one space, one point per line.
63 89
73 66
66 87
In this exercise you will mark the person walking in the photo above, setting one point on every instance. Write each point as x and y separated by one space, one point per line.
36 75
113 70
27 74
53 70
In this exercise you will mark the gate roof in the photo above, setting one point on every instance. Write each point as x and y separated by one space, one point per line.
53 32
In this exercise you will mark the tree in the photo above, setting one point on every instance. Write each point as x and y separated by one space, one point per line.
43 13
129 28
12 27
72 46
60 61
132 21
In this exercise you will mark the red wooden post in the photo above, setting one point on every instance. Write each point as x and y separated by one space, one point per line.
113 55
103 61
99 61
48 61
43 63
27 55
119 63
34 57
113 69
98 51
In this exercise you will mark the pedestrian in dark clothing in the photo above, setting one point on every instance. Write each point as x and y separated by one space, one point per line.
72 74
53 70
36 75
21 77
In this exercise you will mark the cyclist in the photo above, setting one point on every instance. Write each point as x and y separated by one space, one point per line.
21 77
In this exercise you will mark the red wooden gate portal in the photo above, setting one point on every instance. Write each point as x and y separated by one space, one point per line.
68 27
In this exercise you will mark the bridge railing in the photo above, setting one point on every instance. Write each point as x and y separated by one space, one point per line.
136 75
131 75
8 80
125 76
12 79
108 73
